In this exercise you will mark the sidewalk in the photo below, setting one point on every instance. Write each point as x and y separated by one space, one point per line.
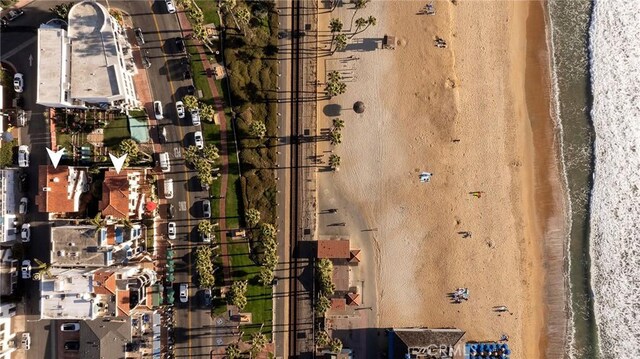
218 106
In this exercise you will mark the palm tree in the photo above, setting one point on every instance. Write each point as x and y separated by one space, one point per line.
206 228
268 230
43 268
97 221
265 276
258 129
338 123
252 216
335 137
340 42
334 76
359 4
322 305
238 292
232 351
360 23
336 346
258 342
207 111
322 338
210 153
190 102
334 162
335 25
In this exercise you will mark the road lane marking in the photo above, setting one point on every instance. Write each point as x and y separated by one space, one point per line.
177 152
186 175
19 48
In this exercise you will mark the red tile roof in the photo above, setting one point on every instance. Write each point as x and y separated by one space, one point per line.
333 249
104 282
115 195
338 304
55 199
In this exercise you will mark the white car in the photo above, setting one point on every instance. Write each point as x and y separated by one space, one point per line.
24 205
184 295
195 116
23 156
18 82
171 8
157 110
180 109
168 188
25 232
26 341
197 137
70 327
171 230
26 269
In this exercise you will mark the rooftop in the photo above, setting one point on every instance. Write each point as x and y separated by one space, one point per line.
115 195
68 294
425 338
52 51
60 189
104 339
94 53
79 245
334 249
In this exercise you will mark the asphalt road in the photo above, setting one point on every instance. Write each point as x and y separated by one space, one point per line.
17 44
282 289
167 85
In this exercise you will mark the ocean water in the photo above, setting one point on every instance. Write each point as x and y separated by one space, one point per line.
570 48
615 201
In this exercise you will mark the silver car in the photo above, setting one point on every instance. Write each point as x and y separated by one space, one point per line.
184 293
206 208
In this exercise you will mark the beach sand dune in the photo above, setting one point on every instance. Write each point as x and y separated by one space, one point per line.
458 112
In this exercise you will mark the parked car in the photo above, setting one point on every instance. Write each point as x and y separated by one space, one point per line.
18 82
146 62
24 205
13 14
171 8
184 293
139 35
179 44
23 183
165 163
25 232
206 297
206 208
180 109
199 141
205 238
171 211
195 116
162 134
186 75
168 188
157 110
185 62
72 345
171 230
26 269
70 327
23 156
26 341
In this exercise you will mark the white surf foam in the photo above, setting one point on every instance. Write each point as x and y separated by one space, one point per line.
615 204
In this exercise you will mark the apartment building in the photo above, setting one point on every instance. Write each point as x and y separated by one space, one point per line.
8 339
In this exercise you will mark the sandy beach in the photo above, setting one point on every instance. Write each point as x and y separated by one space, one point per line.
477 115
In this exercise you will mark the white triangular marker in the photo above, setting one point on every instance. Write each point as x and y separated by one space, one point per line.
118 162
55 156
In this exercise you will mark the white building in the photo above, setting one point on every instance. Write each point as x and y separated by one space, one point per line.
7 335
90 65
8 204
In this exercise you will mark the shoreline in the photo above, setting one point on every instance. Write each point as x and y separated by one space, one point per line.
550 205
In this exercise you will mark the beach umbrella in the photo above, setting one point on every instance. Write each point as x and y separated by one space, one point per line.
150 206
358 107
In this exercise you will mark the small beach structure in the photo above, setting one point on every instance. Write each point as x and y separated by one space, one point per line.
389 42
424 343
